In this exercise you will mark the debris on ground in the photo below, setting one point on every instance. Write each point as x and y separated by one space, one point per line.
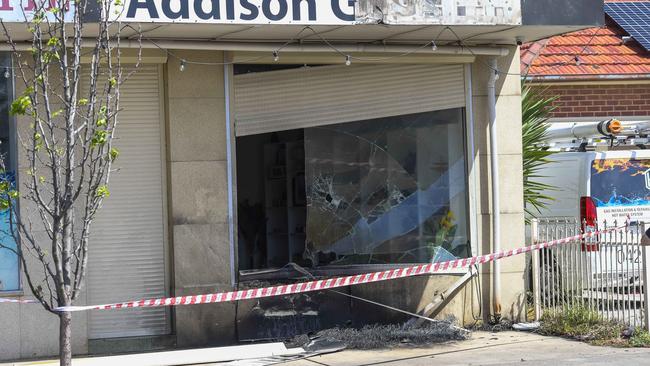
501 325
312 348
384 336
526 327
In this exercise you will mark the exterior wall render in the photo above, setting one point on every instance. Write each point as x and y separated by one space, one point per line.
197 166
35 331
508 110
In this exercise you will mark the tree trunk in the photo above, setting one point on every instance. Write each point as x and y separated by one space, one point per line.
65 338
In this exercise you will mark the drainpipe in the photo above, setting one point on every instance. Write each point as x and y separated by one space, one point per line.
494 165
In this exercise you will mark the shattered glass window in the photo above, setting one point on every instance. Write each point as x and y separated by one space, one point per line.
388 190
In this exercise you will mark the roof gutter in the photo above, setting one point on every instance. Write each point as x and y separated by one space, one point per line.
586 77
305 47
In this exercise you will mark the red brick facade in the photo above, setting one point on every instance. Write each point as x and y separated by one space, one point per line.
600 100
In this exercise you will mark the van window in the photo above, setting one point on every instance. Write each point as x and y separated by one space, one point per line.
620 182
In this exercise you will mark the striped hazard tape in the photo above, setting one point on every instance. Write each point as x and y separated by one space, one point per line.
19 301
317 285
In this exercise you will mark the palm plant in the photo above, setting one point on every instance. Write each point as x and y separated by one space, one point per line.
536 110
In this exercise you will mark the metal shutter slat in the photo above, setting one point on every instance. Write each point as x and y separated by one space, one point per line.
308 97
127 252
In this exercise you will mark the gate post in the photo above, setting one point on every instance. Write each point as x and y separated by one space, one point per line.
534 234
646 282
645 261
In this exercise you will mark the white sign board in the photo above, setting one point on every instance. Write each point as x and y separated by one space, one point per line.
301 12
622 214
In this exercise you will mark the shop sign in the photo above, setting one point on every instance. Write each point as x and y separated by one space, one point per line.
327 12
301 12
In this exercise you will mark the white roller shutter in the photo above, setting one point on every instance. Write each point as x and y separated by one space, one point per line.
127 252
315 96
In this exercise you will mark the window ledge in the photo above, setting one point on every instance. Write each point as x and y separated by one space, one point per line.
14 293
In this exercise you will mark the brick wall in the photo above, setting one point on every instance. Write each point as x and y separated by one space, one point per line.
600 100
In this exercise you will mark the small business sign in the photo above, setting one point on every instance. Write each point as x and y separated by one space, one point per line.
302 12
254 12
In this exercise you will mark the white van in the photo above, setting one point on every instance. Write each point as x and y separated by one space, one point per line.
602 189
601 177
618 183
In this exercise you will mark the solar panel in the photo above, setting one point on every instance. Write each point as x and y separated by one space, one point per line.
634 18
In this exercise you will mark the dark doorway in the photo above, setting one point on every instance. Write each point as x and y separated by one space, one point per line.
271 199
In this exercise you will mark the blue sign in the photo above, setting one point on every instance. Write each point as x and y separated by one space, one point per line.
9 267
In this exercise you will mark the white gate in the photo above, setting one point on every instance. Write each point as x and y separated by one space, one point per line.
606 273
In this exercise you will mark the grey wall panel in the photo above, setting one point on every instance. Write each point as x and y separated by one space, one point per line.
563 12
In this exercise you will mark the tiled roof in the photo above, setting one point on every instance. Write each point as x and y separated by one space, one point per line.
599 51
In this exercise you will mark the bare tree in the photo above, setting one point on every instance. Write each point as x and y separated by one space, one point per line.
67 114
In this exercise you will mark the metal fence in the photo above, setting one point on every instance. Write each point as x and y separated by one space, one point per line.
606 273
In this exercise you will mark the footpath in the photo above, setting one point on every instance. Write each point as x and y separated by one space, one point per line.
484 348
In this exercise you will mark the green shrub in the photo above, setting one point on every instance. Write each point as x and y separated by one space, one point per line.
640 338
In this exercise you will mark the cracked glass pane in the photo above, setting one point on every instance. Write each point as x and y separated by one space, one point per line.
388 190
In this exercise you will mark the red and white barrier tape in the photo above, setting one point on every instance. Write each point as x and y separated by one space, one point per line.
317 285
19 301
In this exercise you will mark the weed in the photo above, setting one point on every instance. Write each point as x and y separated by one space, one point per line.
640 338
587 325
580 323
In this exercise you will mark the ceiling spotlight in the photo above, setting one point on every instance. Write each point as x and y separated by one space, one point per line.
276 56
348 60
182 66
434 47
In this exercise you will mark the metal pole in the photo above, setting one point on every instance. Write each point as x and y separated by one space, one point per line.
555 258
629 249
646 281
636 249
534 232
598 273
608 264
494 171
575 277
544 255
616 288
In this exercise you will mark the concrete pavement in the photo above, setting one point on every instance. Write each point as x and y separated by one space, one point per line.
484 348
504 348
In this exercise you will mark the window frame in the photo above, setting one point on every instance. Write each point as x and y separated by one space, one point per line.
6 61
472 183
287 272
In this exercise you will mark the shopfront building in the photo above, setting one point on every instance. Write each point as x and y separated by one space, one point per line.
256 158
